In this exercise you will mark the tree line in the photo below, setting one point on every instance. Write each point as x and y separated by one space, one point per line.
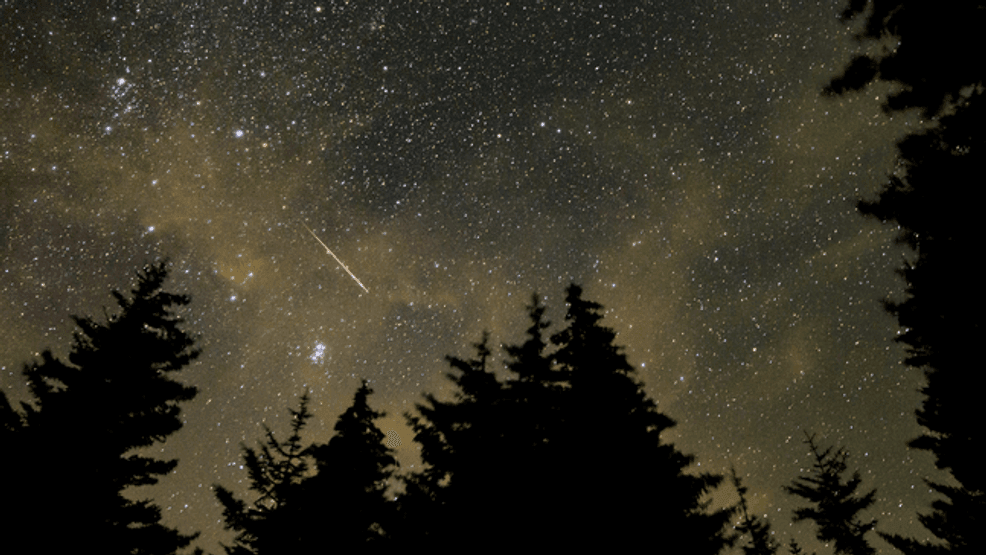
566 453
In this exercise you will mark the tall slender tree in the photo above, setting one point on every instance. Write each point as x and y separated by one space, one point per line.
762 541
276 469
344 506
536 408
85 431
629 486
834 505
461 447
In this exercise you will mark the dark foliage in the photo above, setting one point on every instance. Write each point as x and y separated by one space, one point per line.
935 198
461 444
834 505
344 505
10 420
614 429
80 438
927 57
937 210
761 541
318 498
567 456
276 470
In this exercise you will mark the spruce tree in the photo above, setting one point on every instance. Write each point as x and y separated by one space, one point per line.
447 503
317 498
90 421
834 505
344 506
275 470
566 456
761 538
927 38
491 454
535 414
536 394
10 420
627 486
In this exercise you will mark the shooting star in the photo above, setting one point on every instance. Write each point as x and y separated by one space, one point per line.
344 267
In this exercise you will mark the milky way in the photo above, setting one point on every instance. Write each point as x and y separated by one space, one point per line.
676 159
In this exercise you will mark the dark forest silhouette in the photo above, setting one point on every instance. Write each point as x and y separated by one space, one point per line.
73 446
512 450
314 498
936 198
569 451
501 450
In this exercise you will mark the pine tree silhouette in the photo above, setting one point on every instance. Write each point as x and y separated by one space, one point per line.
930 36
10 420
628 486
88 421
461 446
275 469
536 410
564 457
940 338
344 507
319 498
761 538
833 503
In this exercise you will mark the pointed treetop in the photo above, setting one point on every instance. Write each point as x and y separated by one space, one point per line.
529 360
586 342
761 538
833 502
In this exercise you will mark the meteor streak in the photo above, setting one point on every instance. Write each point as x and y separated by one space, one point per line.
332 254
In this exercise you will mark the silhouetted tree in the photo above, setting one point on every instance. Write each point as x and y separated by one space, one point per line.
461 446
833 503
537 402
762 541
324 497
940 222
530 360
276 470
566 456
90 418
344 506
628 486
10 420
11 426
936 201
927 37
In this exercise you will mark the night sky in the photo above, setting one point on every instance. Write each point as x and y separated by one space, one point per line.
676 159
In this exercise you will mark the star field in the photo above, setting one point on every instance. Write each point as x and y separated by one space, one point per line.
676 159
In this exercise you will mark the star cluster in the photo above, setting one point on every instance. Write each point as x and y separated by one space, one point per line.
676 159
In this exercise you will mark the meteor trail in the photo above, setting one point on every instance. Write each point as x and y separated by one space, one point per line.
328 250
